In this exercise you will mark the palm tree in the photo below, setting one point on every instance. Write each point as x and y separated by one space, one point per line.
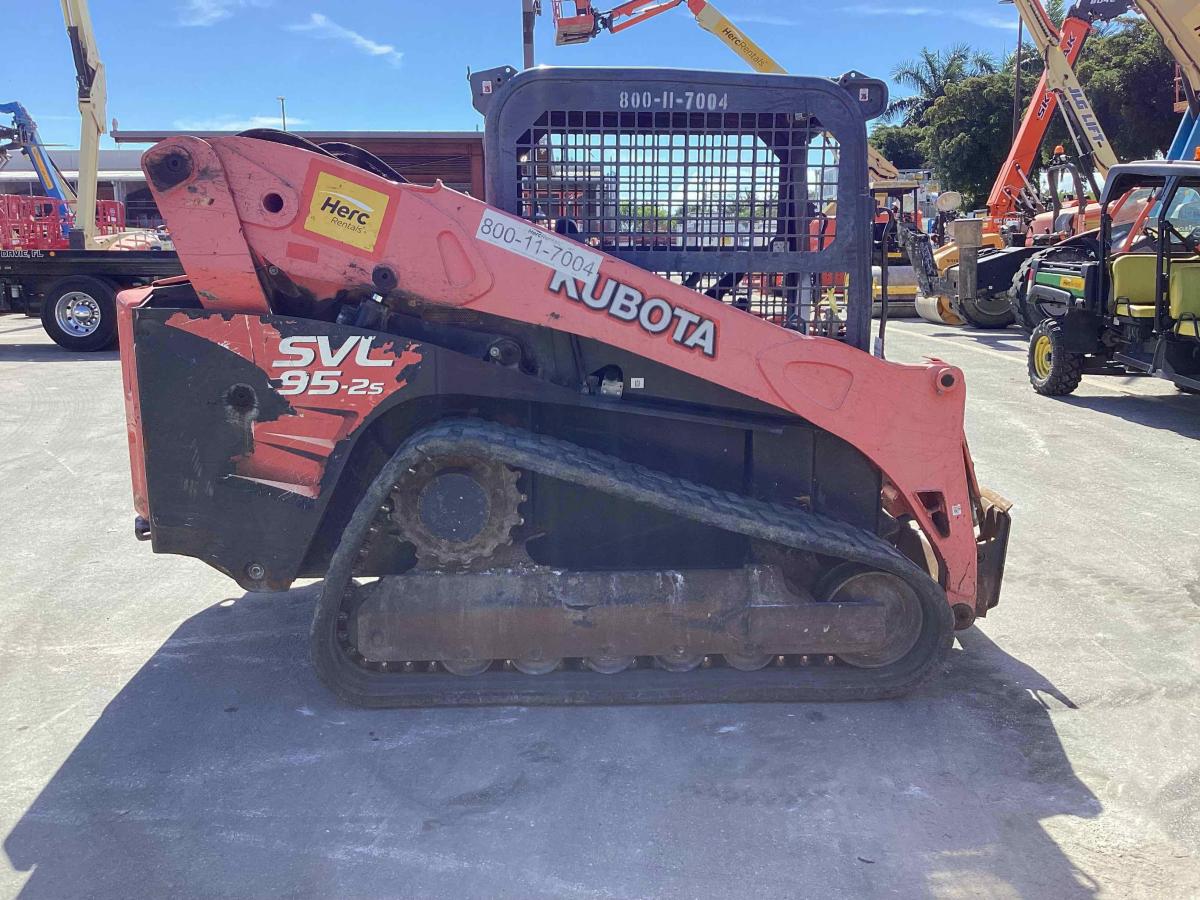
930 74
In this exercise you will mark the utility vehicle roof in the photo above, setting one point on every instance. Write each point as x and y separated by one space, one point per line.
1120 175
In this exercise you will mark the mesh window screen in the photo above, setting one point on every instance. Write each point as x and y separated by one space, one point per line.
736 202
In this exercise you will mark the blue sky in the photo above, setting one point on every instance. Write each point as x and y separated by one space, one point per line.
371 64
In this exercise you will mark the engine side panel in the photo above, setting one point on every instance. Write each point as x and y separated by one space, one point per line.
244 471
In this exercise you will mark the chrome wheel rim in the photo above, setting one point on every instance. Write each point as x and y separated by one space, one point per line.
77 313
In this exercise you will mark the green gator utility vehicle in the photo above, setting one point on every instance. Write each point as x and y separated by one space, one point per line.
1130 305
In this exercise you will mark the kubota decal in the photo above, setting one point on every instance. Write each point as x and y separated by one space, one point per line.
577 275
346 211
653 314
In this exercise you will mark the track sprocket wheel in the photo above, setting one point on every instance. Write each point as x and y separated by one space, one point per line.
457 510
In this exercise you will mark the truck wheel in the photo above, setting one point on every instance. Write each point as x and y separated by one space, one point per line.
80 314
1054 371
988 312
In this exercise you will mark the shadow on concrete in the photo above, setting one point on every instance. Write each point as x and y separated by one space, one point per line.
35 325
224 769
1178 413
51 353
1010 340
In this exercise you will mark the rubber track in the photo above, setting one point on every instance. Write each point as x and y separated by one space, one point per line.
788 526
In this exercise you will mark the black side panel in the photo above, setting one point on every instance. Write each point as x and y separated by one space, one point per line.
587 529
845 484
203 404
192 437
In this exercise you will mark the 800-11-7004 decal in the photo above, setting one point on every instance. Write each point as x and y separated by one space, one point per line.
304 350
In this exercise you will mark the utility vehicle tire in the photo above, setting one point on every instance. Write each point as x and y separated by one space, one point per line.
1080 248
1054 371
80 314
988 312
1027 314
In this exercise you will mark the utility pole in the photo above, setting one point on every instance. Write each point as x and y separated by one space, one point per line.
283 111
1017 77
530 10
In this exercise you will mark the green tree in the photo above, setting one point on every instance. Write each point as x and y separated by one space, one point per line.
643 217
1129 76
901 144
968 133
929 75
1126 71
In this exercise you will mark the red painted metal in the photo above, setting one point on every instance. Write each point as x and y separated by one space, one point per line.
1038 116
37 223
291 452
127 302
248 200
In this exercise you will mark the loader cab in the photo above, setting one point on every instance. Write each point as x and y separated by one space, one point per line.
902 199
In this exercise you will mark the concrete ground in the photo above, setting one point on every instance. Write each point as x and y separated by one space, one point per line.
161 734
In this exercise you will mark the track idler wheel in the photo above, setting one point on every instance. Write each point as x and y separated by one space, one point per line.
466 667
679 661
850 583
748 662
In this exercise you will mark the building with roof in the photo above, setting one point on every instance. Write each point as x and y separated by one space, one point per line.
423 157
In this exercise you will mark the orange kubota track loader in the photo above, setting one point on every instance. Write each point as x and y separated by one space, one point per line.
570 446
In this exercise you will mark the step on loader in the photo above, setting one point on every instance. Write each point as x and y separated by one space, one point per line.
612 437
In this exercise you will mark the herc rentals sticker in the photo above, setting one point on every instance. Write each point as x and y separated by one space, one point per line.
346 211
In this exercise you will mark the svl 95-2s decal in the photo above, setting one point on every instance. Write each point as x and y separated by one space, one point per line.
303 351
